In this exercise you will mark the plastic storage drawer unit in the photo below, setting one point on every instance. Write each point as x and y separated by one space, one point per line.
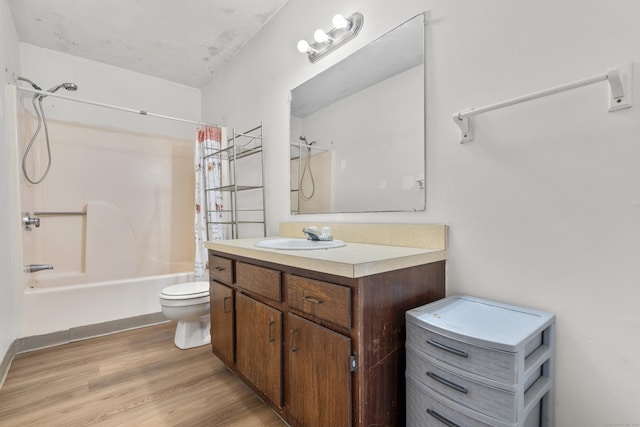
480 360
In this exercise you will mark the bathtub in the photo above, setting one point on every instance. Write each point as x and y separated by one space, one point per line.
63 308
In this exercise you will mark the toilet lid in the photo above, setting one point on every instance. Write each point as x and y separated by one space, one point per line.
187 290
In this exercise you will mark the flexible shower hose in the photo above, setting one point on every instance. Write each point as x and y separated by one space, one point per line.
41 119
307 166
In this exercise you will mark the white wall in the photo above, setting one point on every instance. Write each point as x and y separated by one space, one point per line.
9 62
109 85
544 206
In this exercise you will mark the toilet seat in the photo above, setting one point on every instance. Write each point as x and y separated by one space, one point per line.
186 291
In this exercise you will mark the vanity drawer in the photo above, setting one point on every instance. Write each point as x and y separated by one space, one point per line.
491 401
320 299
221 269
493 364
259 280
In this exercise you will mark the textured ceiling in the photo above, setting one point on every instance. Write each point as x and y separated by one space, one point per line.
183 41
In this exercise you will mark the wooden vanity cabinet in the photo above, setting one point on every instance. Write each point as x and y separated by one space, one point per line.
259 346
319 375
222 304
334 344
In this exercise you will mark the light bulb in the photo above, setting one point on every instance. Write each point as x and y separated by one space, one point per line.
320 36
303 46
340 22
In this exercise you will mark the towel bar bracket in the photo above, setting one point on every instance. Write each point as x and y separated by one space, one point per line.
620 86
466 127
620 93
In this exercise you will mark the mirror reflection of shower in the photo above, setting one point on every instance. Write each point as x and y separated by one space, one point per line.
307 167
42 120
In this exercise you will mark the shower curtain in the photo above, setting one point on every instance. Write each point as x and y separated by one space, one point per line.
208 174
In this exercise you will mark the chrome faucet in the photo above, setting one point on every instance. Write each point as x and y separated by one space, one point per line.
32 268
312 233
29 220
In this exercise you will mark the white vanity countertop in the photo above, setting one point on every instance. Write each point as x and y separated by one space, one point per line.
353 260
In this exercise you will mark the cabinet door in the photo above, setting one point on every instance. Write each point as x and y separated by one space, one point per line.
259 346
222 321
319 376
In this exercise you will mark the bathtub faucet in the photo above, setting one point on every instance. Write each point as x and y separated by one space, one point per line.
32 268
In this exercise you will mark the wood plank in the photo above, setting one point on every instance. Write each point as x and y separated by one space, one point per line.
133 378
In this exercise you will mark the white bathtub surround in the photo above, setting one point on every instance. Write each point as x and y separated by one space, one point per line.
134 238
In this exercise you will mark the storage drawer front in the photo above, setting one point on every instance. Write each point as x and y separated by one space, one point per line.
493 364
320 299
490 401
425 411
221 269
259 280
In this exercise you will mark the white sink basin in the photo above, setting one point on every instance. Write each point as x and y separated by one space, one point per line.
299 244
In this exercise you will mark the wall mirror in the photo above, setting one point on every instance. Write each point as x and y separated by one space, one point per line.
358 129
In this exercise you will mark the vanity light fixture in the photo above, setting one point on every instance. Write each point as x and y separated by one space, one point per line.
344 29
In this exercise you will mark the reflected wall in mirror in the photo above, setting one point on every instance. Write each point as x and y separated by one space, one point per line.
358 129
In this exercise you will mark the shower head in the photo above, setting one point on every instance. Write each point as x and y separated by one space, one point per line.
304 139
67 86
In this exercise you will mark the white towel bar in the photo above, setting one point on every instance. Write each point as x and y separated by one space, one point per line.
620 91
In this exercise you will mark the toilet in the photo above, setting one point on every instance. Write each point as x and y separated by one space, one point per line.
188 304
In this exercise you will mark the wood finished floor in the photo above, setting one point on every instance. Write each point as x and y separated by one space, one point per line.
133 378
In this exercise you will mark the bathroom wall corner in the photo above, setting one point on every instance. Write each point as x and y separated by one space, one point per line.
6 362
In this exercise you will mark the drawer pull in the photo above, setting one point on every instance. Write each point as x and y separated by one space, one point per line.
312 299
442 419
216 268
447 348
446 382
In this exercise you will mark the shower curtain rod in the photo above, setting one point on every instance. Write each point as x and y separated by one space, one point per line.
301 146
114 107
